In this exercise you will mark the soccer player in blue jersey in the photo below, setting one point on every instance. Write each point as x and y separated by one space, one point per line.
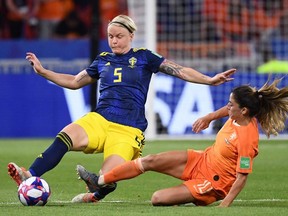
117 125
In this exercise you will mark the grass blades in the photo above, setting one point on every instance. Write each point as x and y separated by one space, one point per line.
266 192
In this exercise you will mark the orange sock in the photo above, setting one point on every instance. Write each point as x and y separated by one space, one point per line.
127 170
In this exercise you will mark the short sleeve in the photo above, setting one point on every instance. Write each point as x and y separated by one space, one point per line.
248 138
92 70
154 60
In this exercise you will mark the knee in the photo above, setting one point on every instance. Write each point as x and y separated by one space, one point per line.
156 199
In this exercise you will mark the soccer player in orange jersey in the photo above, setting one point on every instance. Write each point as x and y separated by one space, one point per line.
220 171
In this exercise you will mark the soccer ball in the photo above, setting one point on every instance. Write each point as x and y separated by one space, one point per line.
34 191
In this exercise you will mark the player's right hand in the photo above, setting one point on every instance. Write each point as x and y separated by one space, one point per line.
201 124
34 61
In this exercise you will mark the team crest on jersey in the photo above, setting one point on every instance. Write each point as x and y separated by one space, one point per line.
231 138
132 62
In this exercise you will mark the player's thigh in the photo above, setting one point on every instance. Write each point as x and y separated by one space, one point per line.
111 162
117 154
171 163
124 150
78 136
172 196
94 132
127 142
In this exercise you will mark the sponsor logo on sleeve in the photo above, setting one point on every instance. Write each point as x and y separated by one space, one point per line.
244 162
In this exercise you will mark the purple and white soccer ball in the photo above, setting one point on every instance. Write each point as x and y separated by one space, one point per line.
34 191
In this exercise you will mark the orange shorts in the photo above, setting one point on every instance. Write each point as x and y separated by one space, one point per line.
195 180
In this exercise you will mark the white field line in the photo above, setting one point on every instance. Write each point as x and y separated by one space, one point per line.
147 201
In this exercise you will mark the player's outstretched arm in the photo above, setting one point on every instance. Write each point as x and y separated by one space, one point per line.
192 75
64 80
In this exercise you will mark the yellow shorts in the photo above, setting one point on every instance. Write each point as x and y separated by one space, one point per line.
111 138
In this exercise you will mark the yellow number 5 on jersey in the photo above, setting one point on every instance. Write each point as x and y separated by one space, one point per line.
118 74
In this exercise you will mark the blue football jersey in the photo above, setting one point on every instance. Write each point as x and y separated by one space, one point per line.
124 82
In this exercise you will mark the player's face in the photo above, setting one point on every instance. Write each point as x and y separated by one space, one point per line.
234 111
119 39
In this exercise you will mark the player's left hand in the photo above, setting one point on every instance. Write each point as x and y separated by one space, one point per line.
223 77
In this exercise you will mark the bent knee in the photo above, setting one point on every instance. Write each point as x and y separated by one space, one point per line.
157 199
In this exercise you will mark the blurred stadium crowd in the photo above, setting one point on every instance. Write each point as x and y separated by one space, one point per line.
48 19
254 30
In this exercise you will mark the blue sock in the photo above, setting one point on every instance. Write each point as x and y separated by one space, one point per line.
52 156
103 191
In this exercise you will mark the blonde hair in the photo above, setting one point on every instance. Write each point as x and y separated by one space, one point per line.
124 21
269 105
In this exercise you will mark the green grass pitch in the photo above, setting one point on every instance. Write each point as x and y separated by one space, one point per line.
266 192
